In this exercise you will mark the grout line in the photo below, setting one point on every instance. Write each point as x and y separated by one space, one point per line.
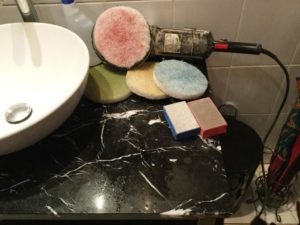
281 90
247 66
238 27
261 114
12 3
241 18
83 2
231 58
257 66
38 10
55 3
227 85
173 13
295 53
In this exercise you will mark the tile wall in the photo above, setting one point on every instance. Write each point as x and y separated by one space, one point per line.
253 83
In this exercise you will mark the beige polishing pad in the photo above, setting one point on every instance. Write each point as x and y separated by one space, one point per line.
106 85
140 81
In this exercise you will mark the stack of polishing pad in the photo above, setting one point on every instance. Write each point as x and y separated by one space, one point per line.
172 78
150 80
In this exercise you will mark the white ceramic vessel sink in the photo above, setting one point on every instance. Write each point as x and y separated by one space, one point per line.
43 73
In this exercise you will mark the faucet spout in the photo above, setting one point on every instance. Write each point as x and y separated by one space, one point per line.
27 10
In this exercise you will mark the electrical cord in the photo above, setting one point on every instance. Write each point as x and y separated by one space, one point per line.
274 57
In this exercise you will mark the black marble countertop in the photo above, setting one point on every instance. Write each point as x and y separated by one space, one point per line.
115 160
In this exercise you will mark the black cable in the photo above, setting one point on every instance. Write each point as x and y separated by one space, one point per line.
270 54
274 57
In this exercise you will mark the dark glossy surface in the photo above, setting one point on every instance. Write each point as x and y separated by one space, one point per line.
115 160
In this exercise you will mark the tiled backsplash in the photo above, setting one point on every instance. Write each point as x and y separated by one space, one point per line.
254 83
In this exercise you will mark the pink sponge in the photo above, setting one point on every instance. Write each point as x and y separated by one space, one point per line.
122 36
209 118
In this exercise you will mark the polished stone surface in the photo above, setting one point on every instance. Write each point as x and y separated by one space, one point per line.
114 160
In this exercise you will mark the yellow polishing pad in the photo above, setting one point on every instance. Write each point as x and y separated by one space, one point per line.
140 81
106 85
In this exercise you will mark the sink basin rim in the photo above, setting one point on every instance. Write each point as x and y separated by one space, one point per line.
71 96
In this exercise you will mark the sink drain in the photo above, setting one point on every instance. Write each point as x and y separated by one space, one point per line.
18 113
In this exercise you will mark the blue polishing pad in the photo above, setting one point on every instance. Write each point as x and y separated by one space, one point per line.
179 79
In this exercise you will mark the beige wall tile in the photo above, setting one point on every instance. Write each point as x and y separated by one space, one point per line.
221 19
294 71
156 12
53 13
219 59
254 89
275 24
93 10
9 14
218 82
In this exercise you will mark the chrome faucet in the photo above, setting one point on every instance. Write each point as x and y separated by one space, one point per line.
27 10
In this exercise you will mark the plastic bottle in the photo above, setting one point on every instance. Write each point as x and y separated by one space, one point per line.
80 24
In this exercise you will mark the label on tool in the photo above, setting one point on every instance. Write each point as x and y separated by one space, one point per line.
172 43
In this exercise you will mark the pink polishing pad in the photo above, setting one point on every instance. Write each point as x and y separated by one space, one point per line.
122 36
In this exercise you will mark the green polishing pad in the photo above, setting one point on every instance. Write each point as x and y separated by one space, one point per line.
106 85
